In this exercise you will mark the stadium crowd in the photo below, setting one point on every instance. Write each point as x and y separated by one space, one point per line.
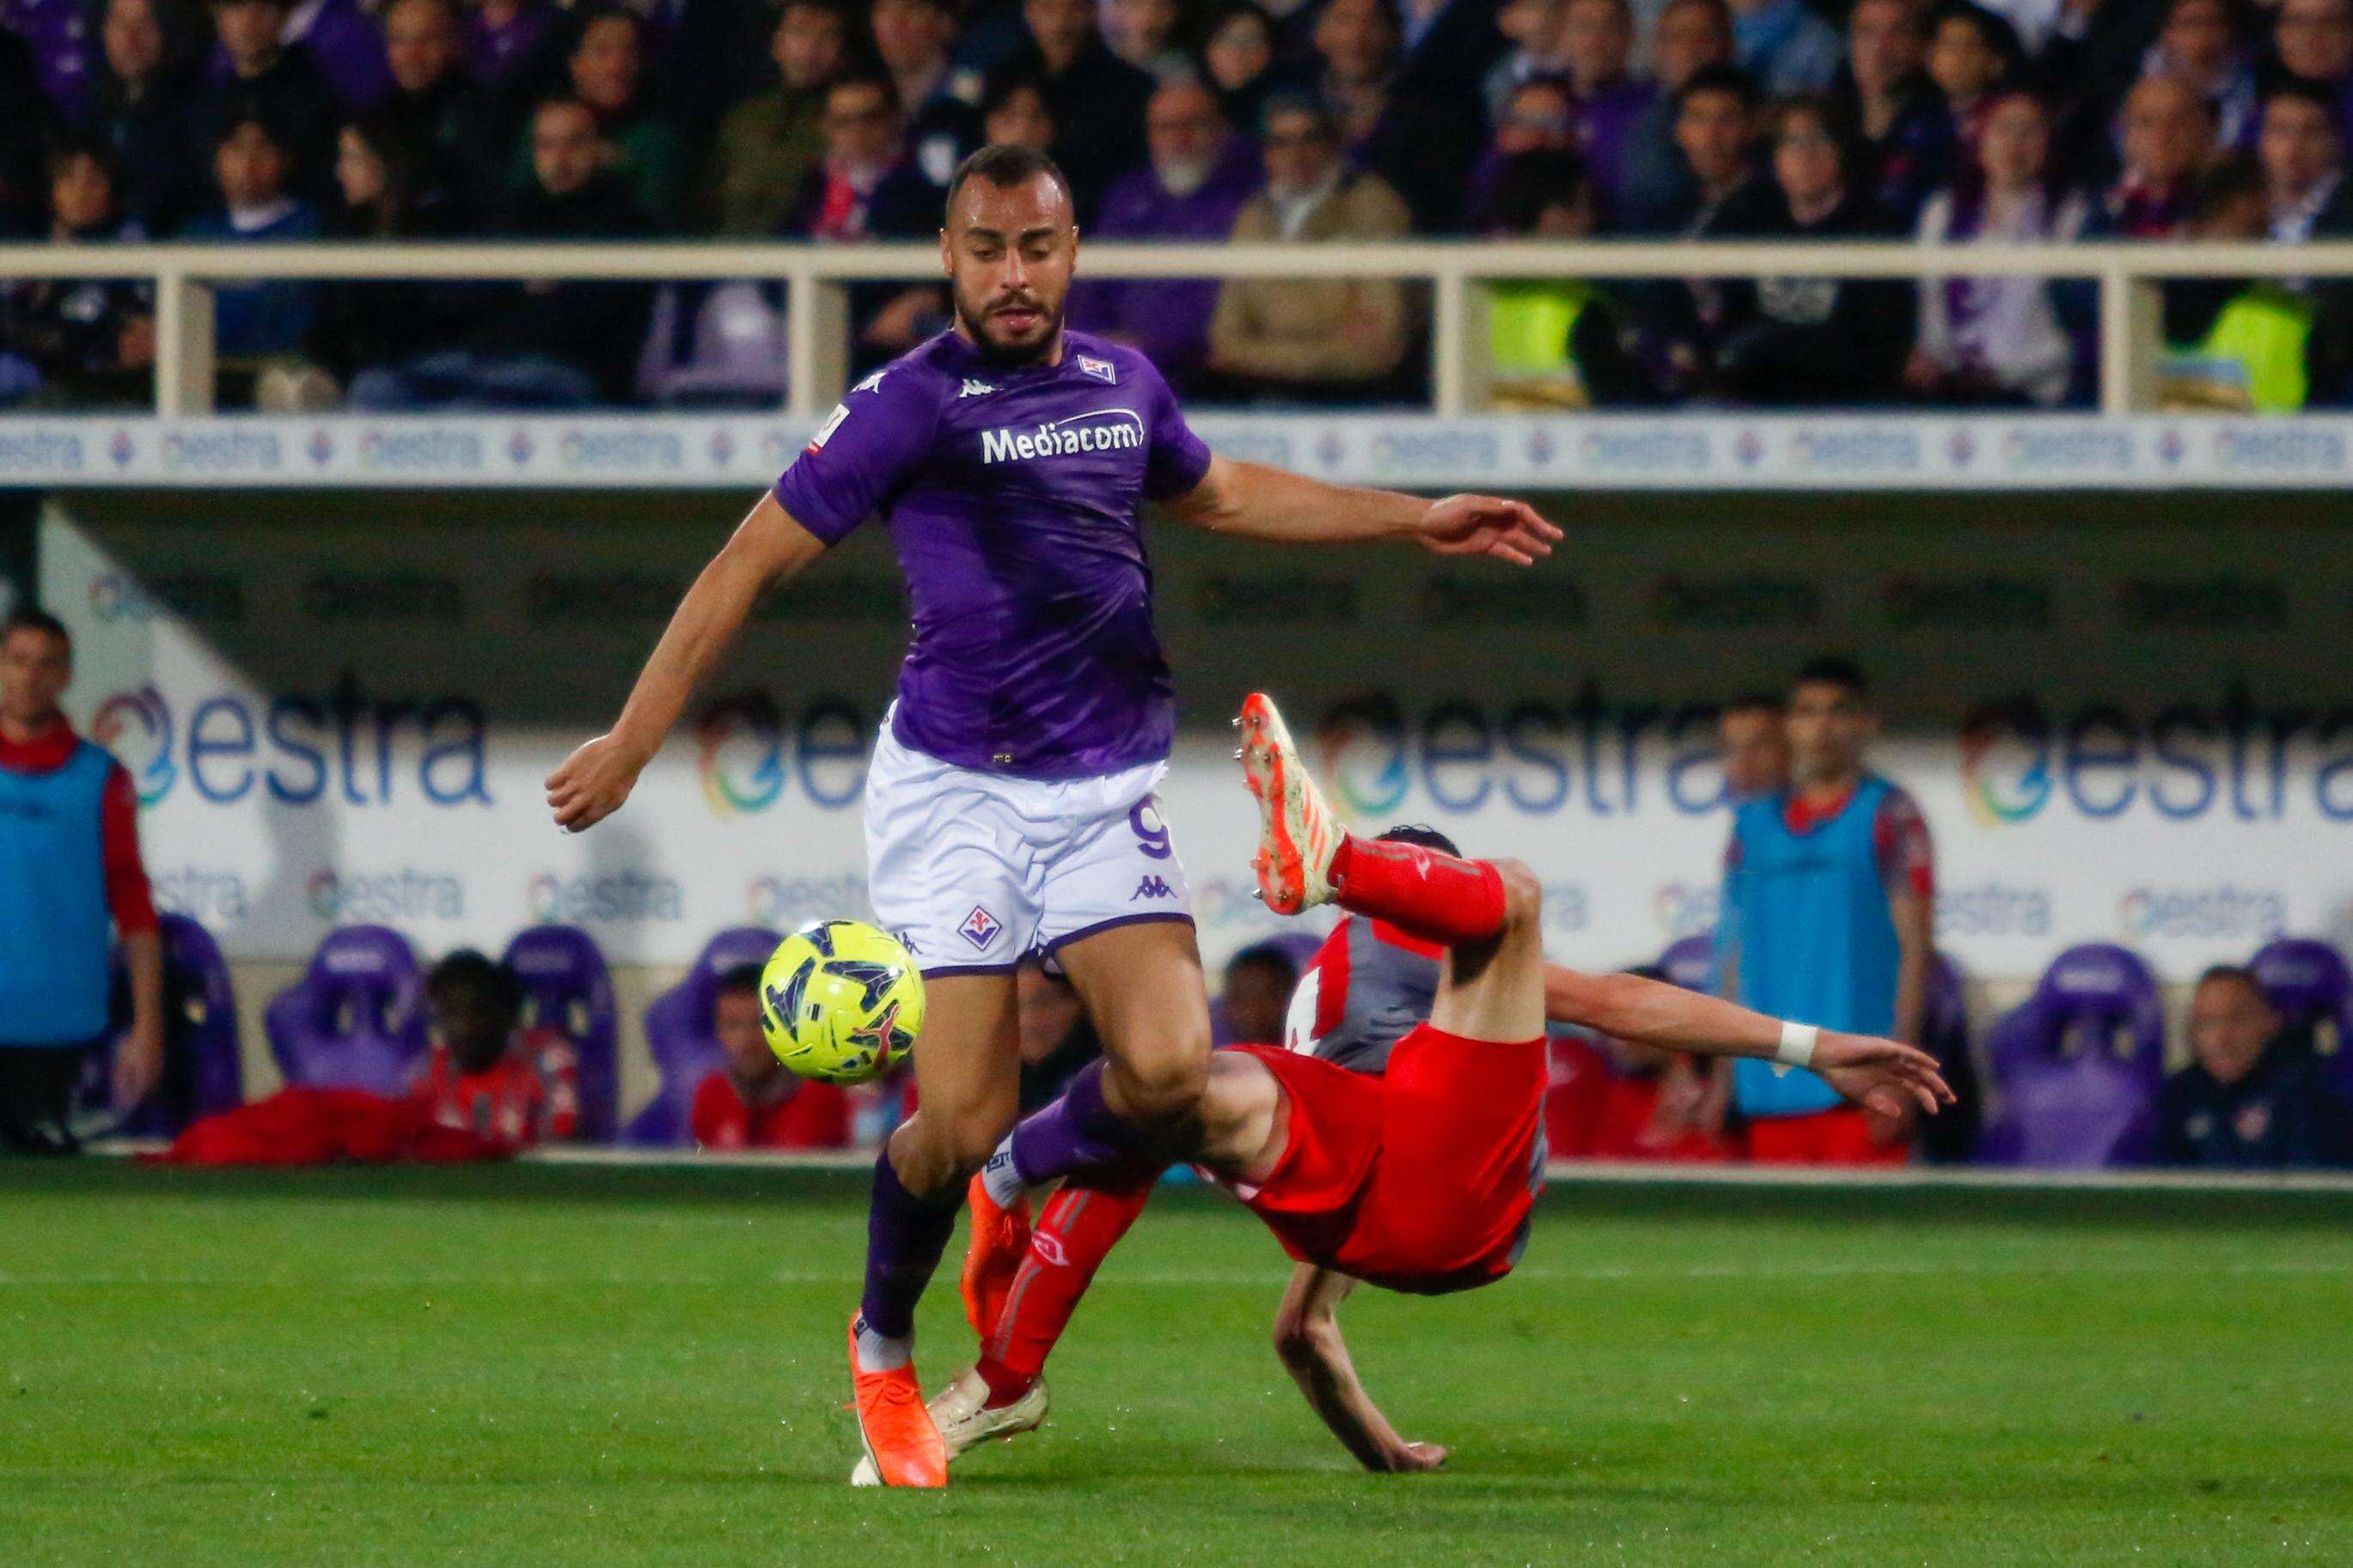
1299 121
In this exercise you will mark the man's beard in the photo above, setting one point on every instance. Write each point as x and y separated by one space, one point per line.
975 328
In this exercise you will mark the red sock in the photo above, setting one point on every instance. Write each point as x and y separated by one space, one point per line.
1436 897
1076 1231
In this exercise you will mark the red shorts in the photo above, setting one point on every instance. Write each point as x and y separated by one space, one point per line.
1421 1180
1839 1136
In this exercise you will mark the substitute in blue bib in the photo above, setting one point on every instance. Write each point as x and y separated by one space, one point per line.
1829 893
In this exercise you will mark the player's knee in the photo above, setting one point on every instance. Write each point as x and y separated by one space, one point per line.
1163 1083
1522 895
966 1139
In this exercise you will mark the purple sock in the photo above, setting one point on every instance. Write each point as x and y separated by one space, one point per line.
905 1234
1076 1133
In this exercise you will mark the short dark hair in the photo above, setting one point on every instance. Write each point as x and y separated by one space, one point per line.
473 970
1717 79
2237 974
1834 669
741 977
29 618
873 81
1005 165
261 122
2304 91
1757 700
1267 956
1415 833
1327 123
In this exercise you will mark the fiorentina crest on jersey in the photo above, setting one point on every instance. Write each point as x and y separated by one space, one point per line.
1100 369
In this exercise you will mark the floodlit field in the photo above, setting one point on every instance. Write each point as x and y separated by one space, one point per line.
574 1366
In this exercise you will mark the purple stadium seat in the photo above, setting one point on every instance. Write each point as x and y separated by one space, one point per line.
1690 961
2310 984
679 1033
203 1068
2077 1067
567 987
356 1018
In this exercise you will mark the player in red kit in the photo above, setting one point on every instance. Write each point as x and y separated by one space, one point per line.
1397 1143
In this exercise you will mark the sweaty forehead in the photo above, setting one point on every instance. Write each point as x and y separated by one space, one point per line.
1011 210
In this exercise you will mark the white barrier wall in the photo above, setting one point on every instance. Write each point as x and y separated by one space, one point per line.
2127 719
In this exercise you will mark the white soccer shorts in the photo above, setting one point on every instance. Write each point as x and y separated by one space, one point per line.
975 872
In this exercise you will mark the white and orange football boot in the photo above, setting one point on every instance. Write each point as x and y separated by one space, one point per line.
902 1446
1298 835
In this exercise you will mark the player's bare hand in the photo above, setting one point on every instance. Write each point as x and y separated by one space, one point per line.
592 782
1414 1459
1487 525
137 1063
1885 1075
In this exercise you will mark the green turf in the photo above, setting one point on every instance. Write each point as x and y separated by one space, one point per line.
554 1366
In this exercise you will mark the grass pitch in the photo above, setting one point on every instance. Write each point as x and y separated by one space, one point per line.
635 1366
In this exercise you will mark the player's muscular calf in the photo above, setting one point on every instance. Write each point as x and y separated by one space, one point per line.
1142 986
966 1080
1493 989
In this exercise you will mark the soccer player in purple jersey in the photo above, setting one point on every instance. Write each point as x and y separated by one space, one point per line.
1009 806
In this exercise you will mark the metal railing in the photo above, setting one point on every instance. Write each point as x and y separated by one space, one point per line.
815 280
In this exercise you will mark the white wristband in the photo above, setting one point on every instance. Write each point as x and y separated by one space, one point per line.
1796 1046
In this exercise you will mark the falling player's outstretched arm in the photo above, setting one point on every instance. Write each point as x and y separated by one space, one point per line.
1259 502
1882 1074
1307 1337
767 547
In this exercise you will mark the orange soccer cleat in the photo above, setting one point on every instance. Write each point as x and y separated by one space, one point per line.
1298 835
902 1446
1000 1239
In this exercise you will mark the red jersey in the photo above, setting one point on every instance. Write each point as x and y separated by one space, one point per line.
529 1095
813 1116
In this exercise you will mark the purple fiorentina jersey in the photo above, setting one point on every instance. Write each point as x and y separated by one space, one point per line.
1012 497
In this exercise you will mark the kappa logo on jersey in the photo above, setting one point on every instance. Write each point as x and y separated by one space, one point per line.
1101 369
980 927
977 389
1103 430
1151 888
873 382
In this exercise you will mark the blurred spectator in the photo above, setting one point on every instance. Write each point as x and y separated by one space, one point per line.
2254 1098
1199 176
1531 29
385 196
56 35
543 343
1830 886
865 189
1097 99
1257 993
1540 118
1753 731
1237 61
2199 47
769 146
1680 324
2001 340
1813 339
2235 345
2168 136
487 1075
258 78
345 41
80 340
911 40
511 45
1660 190
70 882
1318 339
1056 1040
462 132
1596 40
2314 42
1144 33
1555 342
251 169
1784 46
2302 149
1015 110
607 69
1418 138
1893 115
753 1103
146 107
1971 51
27 122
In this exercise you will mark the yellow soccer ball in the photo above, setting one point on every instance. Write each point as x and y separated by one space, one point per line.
841 1002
